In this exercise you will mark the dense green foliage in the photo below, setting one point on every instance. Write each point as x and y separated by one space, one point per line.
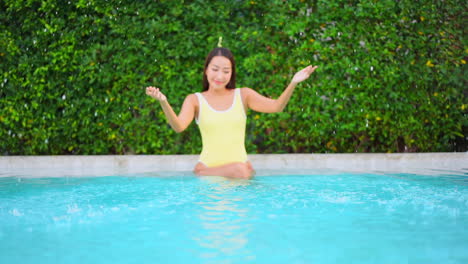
391 74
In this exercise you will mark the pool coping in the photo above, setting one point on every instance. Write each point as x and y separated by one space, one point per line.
99 165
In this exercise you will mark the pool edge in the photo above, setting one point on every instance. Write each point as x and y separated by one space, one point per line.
111 164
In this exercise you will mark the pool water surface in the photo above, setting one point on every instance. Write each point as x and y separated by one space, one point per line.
287 218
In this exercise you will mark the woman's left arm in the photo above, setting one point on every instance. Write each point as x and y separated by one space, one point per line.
260 103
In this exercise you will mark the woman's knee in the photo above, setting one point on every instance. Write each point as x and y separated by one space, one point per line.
198 168
244 171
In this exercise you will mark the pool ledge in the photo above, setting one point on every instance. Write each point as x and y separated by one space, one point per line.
112 164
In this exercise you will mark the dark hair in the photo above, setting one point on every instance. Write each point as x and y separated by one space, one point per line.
225 53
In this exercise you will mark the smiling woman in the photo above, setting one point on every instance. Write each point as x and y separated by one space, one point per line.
223 59
220 112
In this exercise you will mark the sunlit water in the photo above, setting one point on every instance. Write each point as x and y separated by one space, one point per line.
287 218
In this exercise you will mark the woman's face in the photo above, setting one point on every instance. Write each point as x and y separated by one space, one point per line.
218 73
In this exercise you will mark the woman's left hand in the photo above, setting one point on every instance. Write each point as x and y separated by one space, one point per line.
303 74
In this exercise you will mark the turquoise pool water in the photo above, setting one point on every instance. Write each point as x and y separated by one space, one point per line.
286 218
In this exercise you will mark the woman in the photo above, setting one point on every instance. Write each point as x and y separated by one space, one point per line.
220 111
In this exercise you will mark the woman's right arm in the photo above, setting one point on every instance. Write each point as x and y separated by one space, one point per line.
186 115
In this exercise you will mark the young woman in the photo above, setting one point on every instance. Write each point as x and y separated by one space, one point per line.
220 112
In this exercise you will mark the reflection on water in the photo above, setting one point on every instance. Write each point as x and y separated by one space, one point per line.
224 220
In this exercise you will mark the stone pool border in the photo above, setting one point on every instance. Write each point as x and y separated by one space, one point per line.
99 165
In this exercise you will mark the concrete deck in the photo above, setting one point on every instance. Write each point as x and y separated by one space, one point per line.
41 166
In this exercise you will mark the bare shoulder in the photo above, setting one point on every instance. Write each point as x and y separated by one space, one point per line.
192 98
246 91
190 105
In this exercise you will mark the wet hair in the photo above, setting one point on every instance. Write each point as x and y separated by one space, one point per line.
225 53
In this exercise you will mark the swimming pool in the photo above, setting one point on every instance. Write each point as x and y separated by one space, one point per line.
286 216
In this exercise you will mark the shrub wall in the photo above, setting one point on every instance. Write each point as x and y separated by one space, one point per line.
391 76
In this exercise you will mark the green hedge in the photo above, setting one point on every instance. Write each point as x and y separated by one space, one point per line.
391 76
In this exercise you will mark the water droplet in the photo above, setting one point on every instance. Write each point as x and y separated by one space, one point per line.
16 212
64 97
372 68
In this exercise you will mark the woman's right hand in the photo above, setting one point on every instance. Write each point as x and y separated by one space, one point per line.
155 93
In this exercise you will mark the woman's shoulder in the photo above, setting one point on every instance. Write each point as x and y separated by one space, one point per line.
192 99
192 96
246 91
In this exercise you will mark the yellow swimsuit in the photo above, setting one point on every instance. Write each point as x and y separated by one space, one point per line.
223 132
